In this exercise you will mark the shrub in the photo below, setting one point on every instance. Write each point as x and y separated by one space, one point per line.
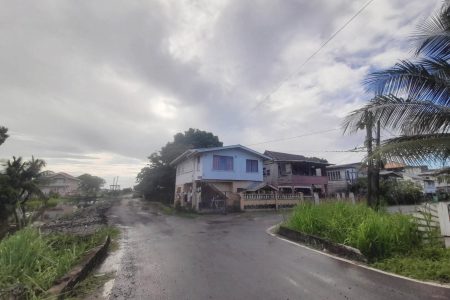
376 234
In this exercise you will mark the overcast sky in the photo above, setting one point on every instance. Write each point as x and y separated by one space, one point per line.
96 86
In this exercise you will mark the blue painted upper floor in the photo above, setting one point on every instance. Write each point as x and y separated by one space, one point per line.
227 163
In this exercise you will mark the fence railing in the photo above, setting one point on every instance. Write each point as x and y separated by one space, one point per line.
270 201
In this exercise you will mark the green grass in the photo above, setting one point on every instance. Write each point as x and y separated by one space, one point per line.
376 234
35 204
35 261
427 263
391 242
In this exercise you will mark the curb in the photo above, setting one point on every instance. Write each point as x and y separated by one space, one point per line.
323 244
92 259
273 232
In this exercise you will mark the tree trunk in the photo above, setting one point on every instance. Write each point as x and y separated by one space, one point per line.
376 175
369 140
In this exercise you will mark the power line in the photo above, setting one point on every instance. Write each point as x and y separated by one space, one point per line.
265 98
292 137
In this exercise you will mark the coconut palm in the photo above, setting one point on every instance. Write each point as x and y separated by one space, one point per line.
413 98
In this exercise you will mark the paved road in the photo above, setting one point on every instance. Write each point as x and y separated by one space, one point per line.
232 257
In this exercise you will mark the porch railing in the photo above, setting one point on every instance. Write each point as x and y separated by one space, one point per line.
270 201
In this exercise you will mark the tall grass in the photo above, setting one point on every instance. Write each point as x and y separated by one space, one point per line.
33 261
376 234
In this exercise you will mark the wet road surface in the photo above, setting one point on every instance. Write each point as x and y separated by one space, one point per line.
232 257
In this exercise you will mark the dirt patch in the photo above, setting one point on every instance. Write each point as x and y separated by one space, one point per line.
85 221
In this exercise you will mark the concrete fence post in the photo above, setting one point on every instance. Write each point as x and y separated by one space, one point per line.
352 197
316 199
241 201
276 201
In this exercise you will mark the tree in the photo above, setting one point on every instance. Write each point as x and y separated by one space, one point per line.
90 185
413 98
19 182
3 134
157 180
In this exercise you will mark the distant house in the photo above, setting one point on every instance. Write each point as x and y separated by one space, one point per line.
292 173
2 164
208 174
419 175
342 177
61 183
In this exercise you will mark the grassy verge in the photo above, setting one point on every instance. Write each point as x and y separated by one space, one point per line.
390 241
33 261
35 204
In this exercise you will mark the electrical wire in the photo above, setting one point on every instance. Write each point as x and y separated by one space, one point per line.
277 87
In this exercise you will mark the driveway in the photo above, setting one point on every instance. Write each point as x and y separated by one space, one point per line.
232 257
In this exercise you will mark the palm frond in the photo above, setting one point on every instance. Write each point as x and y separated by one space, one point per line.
413 80
433 35
409 116
415 149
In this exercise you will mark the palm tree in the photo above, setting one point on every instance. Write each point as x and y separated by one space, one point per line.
413 98
19 182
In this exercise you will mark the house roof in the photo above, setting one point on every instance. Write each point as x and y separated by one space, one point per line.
393 165
390 173
192 152
62 174
280 156
254 186
356 165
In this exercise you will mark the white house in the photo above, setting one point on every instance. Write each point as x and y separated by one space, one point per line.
208 174
342 177
61 183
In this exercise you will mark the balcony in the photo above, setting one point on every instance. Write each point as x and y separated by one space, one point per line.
302 180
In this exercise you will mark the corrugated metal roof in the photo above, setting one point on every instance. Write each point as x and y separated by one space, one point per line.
280 156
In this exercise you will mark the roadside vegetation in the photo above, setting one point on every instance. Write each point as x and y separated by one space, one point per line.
389 241
31 262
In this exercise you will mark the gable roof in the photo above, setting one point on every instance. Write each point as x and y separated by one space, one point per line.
280 156
62 174
191 152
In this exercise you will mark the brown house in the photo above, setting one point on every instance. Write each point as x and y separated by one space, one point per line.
293 173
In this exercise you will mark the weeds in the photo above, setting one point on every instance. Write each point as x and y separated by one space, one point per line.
391 242
34 261
376 234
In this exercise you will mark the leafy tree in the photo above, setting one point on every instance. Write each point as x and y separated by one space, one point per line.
413 98
157 180
90 185
396 192
3 134
19 182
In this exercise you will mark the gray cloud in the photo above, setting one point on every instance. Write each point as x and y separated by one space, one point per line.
96 86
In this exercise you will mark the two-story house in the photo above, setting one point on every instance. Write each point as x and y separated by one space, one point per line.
342 177
207 174
292 173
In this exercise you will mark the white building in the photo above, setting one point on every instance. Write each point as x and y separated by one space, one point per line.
209 174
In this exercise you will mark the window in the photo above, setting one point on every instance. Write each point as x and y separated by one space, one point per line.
198 163
222 163
252 166
334 175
